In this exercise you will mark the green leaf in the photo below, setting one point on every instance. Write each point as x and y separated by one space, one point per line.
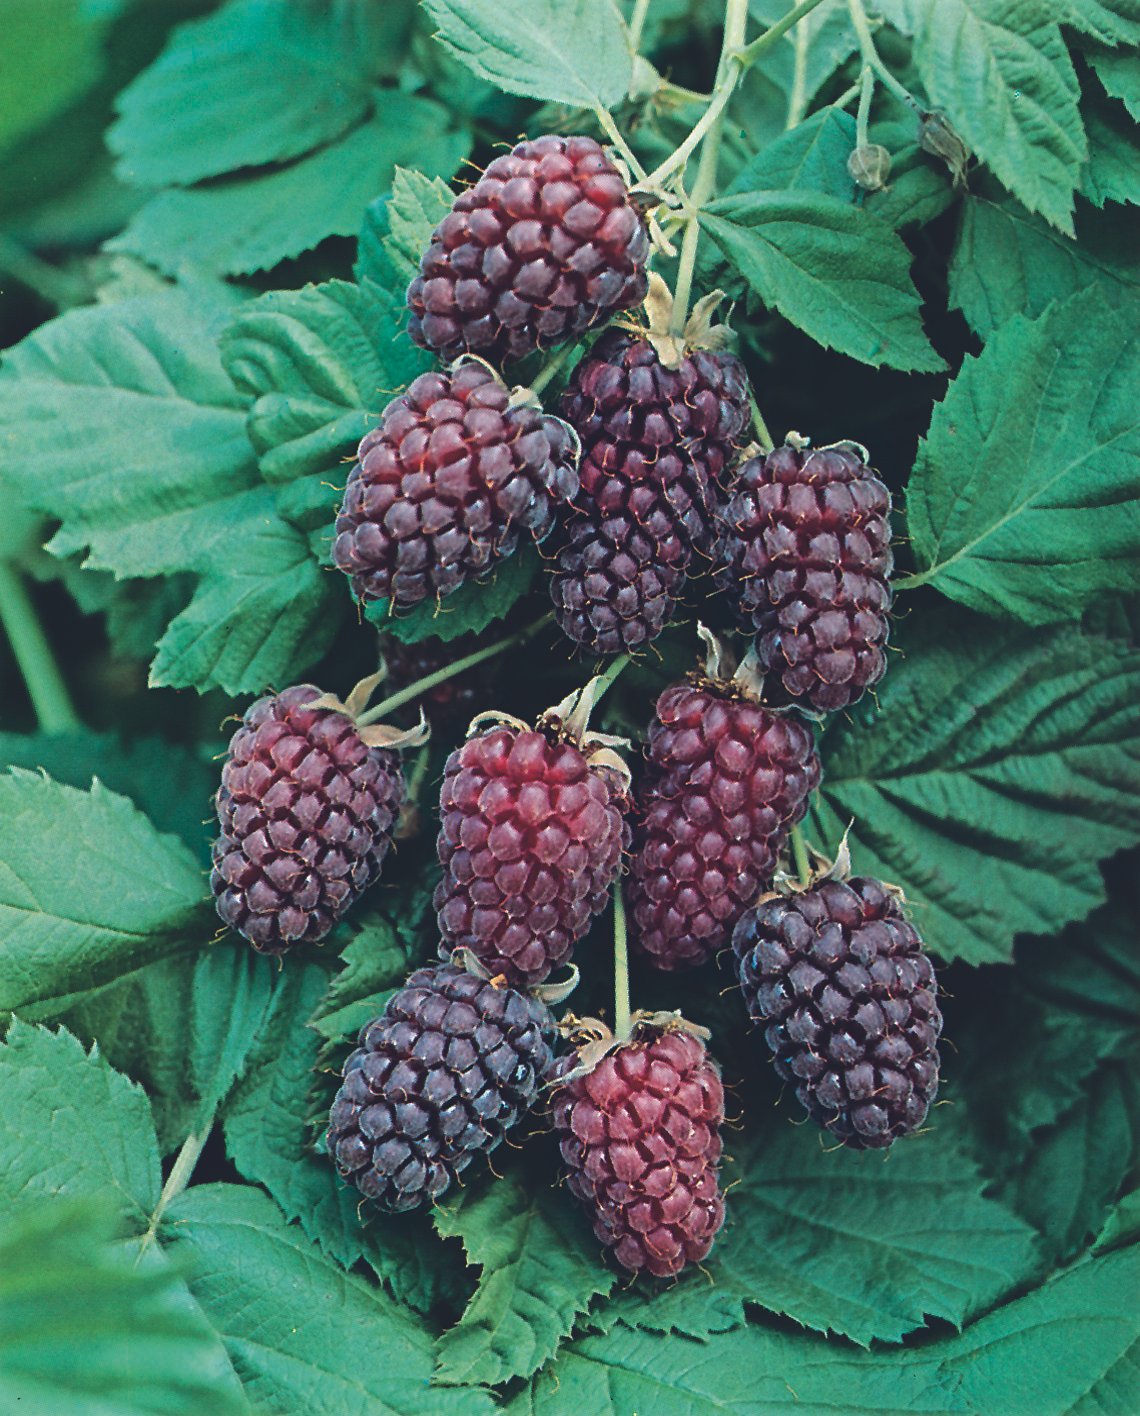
84 1330
257 82
539 1274
170 784
153 472
250 223
812 157
1074 1171
379 957
1000 766
842 1242
303 1335
318 364
272 1121
139 898
1007 262
839 274
1060 525
417 205
818 44
71 1126
1110 21
1001 72
469 610
1123 1225
1024 1348
1113 170
559 51
55 56
1120 75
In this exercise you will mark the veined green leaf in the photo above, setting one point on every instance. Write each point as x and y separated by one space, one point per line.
1110 21
999 767
250 223
1001 72
559 51
838 273
256 82
1113 171
539 1272
1025 499
86 1331
1119 72
1006 262
89 892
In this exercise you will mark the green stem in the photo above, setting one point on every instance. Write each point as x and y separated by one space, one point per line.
847 95
430 681
749 54
419 772
668 89
548 370
911 582
728 71
621 966
176 1181
610 675
797 99
51 285
763 436
870 54
45 684
863 112
614 133
637 24
799 851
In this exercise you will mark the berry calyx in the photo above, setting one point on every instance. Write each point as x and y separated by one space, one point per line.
638 1124
543 246
440 1077
458 469
804 558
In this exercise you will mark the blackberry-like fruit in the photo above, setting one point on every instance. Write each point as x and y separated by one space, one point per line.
532 830
640 1134
804 558
656 442
306 808
838 975
726 780
443 488
544 245
440 1077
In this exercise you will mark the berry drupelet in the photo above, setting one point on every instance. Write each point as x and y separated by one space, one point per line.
306 809
543 246
804 558
848 997
440 1077
442 490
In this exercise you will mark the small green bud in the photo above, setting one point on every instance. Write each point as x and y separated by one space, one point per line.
870 166
937 137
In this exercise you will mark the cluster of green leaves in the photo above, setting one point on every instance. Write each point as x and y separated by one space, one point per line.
180 438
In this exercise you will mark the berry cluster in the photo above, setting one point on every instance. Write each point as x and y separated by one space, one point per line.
538 820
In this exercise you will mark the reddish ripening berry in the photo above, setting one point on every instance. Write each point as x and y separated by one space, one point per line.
726 780
440 1077
804 558
838 975
655 445
306 810
545 244
531 838
446 484
640 1134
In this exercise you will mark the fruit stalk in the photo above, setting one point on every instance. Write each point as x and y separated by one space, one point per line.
870 54
799 851
621 966
430 681
32 651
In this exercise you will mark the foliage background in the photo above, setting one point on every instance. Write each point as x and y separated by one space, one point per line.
195 338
